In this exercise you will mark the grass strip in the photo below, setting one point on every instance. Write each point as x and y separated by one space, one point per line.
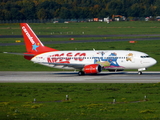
86 101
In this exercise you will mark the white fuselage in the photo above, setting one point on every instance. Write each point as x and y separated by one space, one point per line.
108 59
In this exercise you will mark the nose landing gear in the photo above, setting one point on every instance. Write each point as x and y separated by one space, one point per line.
140 70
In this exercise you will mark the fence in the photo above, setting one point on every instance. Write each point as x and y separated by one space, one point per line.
69 20
44 21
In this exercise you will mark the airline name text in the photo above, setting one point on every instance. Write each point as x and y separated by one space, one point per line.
28 35
66 57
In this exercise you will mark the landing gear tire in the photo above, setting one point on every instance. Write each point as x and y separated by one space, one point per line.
139 72
80 73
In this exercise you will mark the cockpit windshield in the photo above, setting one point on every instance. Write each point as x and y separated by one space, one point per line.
145 56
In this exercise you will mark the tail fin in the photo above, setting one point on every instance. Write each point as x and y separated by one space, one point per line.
32 42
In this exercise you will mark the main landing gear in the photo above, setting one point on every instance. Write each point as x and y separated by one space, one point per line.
80 73
139 72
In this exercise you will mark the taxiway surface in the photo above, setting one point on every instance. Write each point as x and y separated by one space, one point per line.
72 77
138 38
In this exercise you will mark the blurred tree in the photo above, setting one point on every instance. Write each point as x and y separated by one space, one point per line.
157 7
137 10
1 14
28 10
115 7
15 14
103 14
7 15
48 9
42 14
64 13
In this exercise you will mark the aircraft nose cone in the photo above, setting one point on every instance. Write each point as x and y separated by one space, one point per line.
153 61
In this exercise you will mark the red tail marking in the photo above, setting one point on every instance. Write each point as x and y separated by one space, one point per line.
32 42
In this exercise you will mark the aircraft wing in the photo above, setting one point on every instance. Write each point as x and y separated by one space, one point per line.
26 54
76 66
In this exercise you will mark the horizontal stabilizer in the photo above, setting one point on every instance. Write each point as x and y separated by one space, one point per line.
25 54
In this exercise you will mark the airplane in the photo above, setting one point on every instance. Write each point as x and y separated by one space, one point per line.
86 61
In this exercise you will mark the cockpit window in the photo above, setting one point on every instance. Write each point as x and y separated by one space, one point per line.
145 56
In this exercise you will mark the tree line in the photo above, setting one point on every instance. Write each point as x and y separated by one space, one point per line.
76 9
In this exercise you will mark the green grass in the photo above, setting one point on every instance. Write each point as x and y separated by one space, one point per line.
92 28
86 101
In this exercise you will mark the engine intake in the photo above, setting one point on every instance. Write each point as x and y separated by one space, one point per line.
92 69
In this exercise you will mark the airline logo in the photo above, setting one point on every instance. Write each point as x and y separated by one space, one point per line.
34 45
66 57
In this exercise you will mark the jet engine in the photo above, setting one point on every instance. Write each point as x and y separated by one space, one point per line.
92 69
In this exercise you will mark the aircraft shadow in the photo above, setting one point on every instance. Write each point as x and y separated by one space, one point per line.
76 74
105 74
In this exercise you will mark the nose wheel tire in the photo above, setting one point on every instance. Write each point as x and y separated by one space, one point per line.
139 72
80 73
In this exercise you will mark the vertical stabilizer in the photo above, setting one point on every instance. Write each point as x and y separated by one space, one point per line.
32 42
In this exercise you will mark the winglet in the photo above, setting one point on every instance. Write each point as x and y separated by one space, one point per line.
32 42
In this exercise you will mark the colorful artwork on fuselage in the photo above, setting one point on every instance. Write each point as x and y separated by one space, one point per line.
107 62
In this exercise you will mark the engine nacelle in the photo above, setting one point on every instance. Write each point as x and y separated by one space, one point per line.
92 69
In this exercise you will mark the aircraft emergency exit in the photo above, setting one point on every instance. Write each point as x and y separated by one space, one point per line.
87 62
